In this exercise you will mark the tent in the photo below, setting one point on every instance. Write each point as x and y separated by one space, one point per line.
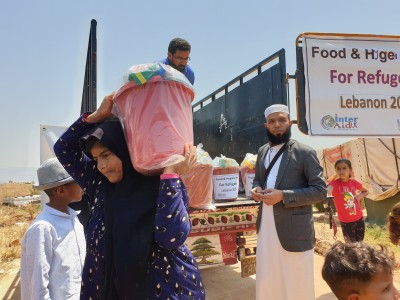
376 164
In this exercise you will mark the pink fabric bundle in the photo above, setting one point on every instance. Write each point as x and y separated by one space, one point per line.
157 119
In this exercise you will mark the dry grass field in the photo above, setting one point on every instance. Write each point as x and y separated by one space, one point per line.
16 189
14 220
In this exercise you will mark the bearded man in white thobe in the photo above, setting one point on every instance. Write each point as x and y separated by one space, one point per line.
285 240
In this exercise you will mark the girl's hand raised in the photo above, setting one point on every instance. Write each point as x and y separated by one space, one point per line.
104 110
187 164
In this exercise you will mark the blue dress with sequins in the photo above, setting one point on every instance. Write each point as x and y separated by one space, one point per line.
85 172
172 270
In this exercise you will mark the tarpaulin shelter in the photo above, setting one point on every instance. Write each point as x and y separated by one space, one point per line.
376 164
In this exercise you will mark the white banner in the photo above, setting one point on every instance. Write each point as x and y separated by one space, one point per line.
352 84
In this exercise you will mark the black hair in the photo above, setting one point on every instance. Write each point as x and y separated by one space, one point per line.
88 144
345 161
50 192
350 266
178 44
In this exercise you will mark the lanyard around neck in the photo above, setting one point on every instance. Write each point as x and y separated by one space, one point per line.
271 164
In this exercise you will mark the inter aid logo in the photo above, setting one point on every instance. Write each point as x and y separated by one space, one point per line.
337 122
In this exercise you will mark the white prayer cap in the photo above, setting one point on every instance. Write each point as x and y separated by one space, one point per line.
276 108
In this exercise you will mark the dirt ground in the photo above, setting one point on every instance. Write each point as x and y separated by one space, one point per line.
221 282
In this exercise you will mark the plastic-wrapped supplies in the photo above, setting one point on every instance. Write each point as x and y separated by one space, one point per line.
199 184
247 170
155 110
225 178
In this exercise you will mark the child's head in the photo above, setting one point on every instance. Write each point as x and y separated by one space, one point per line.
106 145
343 169
56 182
394 224
357 271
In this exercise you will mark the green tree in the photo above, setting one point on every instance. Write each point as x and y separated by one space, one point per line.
203 249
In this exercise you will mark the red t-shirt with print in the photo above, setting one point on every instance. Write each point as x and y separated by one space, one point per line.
347 207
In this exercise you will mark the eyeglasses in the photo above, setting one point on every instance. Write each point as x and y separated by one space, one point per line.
181 59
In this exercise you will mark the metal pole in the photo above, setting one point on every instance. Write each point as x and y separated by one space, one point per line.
89 95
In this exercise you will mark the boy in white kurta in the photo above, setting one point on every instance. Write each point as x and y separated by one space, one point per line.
53 248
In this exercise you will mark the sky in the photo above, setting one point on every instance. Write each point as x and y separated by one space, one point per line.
43 46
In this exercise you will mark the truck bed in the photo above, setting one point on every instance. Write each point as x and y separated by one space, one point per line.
215 233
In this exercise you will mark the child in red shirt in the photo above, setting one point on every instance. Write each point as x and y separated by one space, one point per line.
347 195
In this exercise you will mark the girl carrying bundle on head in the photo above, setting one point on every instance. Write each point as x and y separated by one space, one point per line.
138 224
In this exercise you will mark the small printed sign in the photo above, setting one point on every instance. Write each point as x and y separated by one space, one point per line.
226 186
248 266
249 184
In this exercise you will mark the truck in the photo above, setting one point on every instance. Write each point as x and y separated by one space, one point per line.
229 122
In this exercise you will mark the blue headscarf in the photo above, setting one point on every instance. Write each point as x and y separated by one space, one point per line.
130 207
